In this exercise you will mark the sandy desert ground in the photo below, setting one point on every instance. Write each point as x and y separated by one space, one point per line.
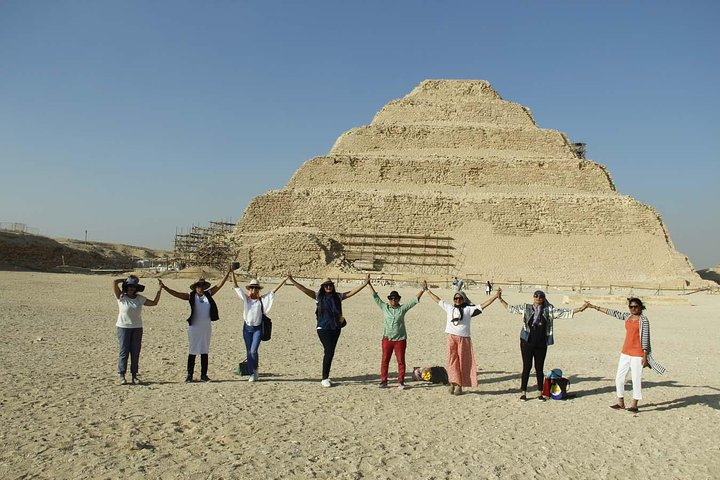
64 415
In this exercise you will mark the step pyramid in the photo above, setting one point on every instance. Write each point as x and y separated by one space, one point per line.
453 180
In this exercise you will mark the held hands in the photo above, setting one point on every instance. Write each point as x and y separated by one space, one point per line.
585 306
498 293
424 285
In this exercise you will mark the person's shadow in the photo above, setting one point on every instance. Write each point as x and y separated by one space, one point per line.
711 400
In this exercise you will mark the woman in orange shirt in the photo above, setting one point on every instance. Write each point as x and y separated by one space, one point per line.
635 354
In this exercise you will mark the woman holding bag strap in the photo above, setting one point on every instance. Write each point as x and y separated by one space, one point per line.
255 306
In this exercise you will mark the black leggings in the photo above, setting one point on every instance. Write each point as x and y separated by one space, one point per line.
530 352
329 339
203 364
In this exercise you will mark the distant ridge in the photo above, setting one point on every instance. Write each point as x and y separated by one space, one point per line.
23 251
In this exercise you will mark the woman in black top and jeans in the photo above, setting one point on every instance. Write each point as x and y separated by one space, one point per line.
329 317
536 335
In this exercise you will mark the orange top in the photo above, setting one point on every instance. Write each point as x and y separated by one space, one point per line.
632 344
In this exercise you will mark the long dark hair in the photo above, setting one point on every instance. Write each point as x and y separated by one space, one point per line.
638 301
329 300
321 293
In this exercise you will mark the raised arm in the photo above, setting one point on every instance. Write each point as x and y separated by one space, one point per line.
599 309
609 311
492 299
116 287
358 288
217 288
498 294
422 290
432 295
372 289
234 279
516 309
581 308
174 293
279 286
301 287
156 300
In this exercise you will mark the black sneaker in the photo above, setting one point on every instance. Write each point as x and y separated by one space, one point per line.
188 379
382 385
204 378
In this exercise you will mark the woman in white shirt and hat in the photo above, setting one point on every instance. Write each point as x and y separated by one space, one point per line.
203 311
129 323
255 305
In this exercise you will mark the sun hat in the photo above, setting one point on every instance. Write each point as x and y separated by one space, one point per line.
132 281
394 294
326 281
202 283
254 283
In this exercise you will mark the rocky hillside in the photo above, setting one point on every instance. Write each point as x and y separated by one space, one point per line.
19 251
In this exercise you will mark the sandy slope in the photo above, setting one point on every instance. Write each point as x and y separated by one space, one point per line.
64 416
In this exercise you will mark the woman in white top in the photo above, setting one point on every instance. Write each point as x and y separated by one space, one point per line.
461 366
129 323
203 311
255 306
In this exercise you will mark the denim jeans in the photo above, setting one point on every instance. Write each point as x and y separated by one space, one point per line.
130 340
251 335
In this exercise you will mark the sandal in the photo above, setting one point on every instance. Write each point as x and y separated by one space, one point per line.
458 390
632 409
523 397
617 407
541 398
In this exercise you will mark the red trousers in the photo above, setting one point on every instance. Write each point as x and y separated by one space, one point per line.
388 347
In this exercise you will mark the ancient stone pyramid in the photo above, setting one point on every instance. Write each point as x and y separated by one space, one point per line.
454 180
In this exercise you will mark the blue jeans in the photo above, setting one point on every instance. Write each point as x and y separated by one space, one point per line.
251 335
130 340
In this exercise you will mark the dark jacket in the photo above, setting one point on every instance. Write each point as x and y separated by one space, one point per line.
329 311
213 307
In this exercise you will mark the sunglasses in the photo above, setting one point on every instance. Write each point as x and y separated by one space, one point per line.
254 288
634 306
328 285
393 298
539 296
458 298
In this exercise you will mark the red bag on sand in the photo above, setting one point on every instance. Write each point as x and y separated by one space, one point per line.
546 388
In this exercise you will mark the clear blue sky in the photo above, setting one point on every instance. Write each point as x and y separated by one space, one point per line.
132 118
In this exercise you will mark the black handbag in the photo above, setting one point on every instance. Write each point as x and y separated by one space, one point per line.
243 368
265 325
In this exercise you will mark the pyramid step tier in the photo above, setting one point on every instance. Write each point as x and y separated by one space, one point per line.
440 173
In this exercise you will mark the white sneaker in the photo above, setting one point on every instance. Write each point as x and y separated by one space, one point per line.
326 383
253 377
